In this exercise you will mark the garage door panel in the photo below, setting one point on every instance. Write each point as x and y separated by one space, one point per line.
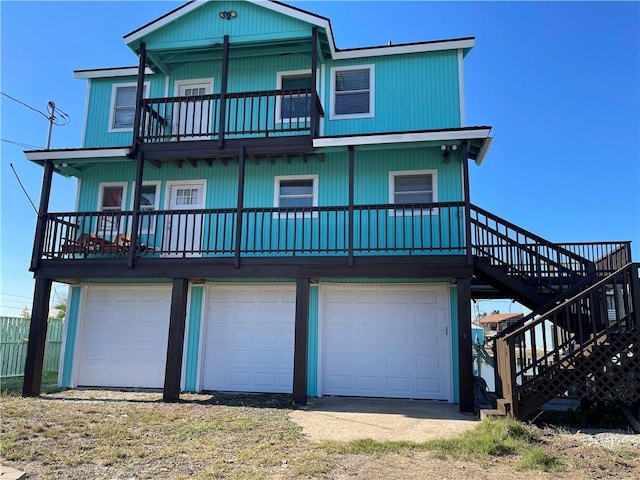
124 334
386 341
249 338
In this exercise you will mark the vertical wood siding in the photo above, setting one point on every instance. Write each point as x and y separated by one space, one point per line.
204 26
71 332
193 339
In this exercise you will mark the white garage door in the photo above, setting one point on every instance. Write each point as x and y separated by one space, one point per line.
386 341
249 337
124 336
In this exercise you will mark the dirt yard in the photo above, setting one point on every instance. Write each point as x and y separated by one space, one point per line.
125 436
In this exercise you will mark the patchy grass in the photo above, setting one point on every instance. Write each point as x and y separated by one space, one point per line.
106 435
494 437
13 385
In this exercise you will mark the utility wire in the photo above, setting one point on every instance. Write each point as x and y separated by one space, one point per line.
23 145
23 189
28 106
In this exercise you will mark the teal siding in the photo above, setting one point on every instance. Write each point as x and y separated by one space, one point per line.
313 353
455 364
73 314
204 27
98 110
193 339
412 92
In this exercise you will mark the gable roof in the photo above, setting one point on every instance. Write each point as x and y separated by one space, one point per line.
132 38
501 317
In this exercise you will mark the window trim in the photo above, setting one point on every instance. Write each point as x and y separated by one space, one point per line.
372 95
156 205
276 196
410 211
279 77
112 105
102 229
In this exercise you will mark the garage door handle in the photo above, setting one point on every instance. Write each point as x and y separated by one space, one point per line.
446 330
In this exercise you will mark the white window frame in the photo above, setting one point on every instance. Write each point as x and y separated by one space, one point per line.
156 205
102 229
112 106
279 77
372 93
276 196
398 212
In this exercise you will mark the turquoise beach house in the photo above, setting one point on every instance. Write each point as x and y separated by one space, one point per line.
259 210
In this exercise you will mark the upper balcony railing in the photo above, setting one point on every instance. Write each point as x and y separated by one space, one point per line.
258 114
365 230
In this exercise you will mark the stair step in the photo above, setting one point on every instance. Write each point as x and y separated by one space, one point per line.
504 406
491 412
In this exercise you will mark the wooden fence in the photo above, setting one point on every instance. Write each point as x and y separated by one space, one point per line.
14 334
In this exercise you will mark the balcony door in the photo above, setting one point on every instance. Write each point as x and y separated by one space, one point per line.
183 229
192 118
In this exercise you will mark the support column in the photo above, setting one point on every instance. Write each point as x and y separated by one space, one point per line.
37 338
351 200
223 91
135 219
175 343
142 65
43 208
239 206
467 201
315 117
301 342
465 356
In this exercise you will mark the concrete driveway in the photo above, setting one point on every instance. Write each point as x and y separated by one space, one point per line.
352 418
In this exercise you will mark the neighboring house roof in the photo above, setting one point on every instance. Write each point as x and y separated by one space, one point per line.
501 317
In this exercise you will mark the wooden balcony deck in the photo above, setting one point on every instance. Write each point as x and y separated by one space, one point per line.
200 126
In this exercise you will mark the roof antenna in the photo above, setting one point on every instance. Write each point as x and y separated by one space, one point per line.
23 189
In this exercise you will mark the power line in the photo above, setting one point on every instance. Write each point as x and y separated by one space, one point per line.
23 189
14 295
23 145
24 104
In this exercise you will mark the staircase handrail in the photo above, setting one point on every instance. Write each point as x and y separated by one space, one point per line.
587 265
559 300
558 308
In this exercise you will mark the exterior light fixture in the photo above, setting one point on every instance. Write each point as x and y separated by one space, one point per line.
228 15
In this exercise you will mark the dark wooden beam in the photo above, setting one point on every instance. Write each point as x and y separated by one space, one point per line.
465 359
156 164
137 200
43 208
224 160
255 159
192 161
175 343
239 207
208 161
467 200
142 64
223 91
305 158
37 338
301 341
315 117
177 162
351 201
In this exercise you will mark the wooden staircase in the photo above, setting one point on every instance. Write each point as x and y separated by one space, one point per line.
582 340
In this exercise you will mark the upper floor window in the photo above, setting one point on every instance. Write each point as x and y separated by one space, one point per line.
413 187
295 105
123 106
352 92
111 200
296 192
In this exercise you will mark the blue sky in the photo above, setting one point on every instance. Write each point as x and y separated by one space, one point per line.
558 82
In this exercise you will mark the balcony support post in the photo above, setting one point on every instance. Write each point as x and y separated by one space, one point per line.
175 342
315 117
41 226
467 202
301 341
239 207
465 355
137 200
351 196
142 64
223 91
37 338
